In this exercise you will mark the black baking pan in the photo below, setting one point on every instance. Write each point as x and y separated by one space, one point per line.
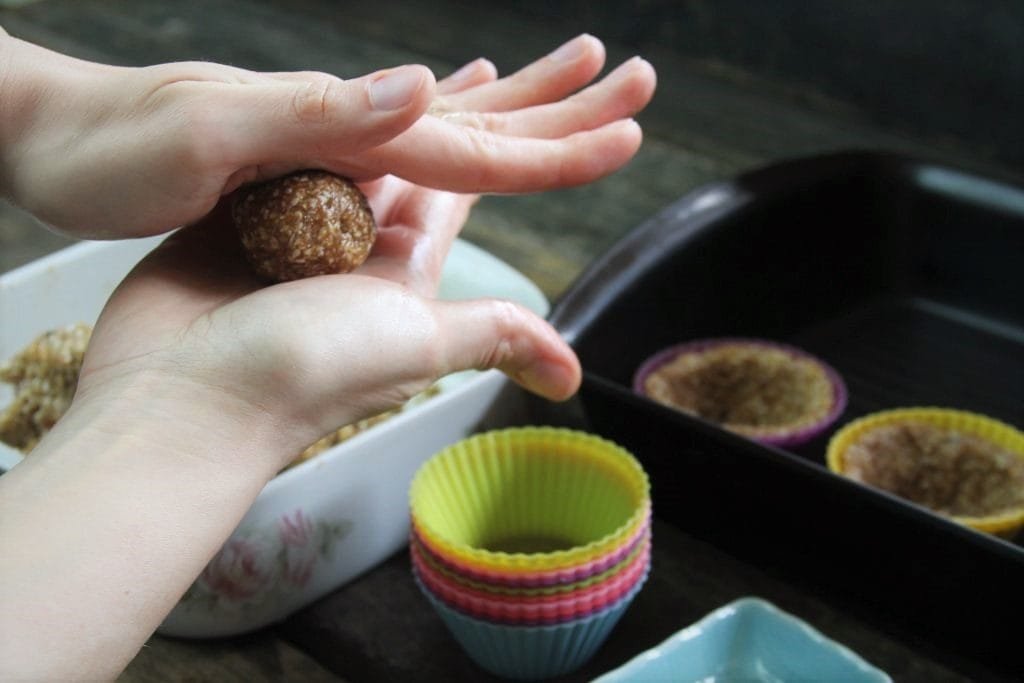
903 275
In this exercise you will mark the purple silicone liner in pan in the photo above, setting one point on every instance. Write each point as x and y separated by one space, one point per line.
801 436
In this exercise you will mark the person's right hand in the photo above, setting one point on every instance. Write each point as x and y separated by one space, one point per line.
193 343
99 151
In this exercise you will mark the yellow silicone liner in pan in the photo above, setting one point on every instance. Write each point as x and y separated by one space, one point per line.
998 433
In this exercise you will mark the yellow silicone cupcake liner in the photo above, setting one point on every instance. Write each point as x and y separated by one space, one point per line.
999 434
529 499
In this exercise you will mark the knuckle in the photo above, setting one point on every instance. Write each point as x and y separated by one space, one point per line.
311 103
427 335
198 135
201 137
484 155
507 321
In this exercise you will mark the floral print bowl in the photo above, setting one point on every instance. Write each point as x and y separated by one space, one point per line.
321 522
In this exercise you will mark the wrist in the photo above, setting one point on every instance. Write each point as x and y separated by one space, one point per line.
181 420
45 101
139 495
8 92
21 87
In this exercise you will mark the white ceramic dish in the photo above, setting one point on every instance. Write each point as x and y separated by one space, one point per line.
321 523
748 640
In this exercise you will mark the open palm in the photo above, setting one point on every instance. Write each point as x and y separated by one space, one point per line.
192 321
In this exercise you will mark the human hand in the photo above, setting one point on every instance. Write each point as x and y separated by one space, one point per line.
199 385
108 152
196 341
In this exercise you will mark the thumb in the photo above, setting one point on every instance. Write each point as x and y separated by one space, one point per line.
491 333
306 116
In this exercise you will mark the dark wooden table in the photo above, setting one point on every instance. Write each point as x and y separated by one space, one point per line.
706 123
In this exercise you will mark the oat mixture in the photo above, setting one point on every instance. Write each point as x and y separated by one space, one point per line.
44 376
348 431
755 391
947 471
343 434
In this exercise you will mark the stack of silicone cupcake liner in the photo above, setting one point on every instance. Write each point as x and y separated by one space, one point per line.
530 543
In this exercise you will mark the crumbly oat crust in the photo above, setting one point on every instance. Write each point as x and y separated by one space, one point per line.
340 435
44 375
348 431
940 468
751 390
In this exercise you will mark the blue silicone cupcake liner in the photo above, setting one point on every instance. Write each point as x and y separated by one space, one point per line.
530 653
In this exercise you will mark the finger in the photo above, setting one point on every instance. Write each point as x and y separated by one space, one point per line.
414 237
475 73
459 159
619 95
549 79
490 333
312 115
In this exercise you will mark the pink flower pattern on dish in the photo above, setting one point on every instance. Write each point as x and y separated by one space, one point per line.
257 564
239 571
297 533
296 529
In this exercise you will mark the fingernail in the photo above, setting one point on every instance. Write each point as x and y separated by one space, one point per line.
395 89
571 51
552 380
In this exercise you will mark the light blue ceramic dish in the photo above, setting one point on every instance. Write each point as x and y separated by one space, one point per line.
749 641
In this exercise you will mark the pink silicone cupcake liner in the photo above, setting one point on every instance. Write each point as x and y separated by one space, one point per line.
490 588
793 438
454 588
534 617
538 609
536 579
537 623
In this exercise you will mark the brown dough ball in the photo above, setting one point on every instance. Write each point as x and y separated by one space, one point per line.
304 224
